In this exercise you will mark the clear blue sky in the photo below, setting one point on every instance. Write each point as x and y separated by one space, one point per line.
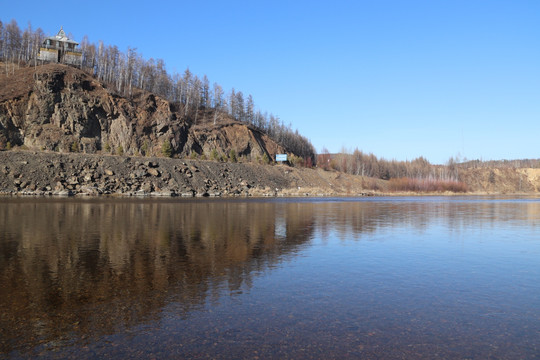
398 78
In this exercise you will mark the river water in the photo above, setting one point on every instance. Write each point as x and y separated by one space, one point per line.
377 278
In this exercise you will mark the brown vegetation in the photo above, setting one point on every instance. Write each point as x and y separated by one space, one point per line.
418 175
426 185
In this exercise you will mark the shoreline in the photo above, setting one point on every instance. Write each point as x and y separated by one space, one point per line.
26 173
173 195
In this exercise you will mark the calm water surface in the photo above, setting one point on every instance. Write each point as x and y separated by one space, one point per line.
412 278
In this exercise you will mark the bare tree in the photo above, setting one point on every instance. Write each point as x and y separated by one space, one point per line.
206 99
196 96
250 110
12 40
218 100
232 103
186 90
239 108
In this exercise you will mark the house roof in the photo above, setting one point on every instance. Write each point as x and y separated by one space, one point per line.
61 36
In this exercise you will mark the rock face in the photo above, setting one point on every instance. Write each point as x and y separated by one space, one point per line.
59 108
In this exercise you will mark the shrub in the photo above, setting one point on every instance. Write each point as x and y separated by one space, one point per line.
74 146
8 146
232 156
120 150
323 159
492 177
166 148
265 159
426 185
144 148
214 155
107 147
295 161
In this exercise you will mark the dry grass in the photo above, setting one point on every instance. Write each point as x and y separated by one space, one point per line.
426 185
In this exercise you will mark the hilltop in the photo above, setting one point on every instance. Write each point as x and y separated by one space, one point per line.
59 108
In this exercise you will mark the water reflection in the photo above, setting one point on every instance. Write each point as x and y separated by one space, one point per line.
75 270
93 267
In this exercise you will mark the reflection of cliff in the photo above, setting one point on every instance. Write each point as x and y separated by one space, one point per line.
71 269
89 268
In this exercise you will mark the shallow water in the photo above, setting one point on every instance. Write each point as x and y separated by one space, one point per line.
283 278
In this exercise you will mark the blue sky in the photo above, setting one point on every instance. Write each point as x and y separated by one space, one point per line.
399 79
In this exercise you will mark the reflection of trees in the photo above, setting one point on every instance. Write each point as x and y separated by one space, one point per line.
356 218
88 268
72 269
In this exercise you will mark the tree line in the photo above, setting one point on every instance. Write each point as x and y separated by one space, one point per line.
19 46
415 175
124 71
360 163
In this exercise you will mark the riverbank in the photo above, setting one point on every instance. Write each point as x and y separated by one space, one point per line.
61 174
74 174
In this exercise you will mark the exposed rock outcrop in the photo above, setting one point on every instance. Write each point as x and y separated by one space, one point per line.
59 108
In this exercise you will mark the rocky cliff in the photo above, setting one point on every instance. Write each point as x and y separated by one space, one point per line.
59 108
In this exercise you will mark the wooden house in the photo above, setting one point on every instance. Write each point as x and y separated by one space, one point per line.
60 49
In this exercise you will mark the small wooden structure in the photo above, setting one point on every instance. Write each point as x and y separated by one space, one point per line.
60 49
